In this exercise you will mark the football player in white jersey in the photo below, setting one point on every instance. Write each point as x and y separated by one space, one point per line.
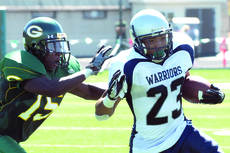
150 76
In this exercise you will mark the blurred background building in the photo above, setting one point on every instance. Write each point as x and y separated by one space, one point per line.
92 23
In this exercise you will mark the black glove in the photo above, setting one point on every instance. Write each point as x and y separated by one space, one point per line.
102 54
213 96
115 85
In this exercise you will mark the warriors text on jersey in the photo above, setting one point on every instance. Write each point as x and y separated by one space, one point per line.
154 95
22 112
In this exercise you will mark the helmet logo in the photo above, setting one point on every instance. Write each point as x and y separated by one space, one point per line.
34 31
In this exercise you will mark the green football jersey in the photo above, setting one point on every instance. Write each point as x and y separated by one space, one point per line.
22 112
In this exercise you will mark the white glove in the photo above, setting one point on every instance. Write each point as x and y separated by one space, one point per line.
102 54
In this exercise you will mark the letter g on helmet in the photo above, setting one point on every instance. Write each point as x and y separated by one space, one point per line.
38 32
34 31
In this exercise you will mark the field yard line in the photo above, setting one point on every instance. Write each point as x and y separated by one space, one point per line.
209 116
223 105
205 129
225 132
105 85
83 128
86 115
109 128
84 146
130 115
74 146
223 85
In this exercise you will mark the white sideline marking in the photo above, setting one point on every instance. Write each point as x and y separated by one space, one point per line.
190 105
225 147
88 115
222 85
207 116
82 128
104 128
114 128
84 146
105 85
130 115
220 132
73 146
224 133
204 129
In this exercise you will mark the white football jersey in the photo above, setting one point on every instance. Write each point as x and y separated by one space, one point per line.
153 93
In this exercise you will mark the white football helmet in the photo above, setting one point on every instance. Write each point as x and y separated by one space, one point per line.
147 24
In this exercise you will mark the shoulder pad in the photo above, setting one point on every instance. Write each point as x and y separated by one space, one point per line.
180 38
21 65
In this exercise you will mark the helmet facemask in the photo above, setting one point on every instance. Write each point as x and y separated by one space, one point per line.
51 45
160 53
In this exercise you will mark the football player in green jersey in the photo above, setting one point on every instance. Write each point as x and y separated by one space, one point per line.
34 81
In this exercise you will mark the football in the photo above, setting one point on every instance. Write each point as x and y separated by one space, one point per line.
194 87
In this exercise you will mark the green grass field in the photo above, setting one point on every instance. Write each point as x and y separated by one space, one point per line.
72 128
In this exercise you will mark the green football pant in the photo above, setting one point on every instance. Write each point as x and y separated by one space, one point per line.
9 145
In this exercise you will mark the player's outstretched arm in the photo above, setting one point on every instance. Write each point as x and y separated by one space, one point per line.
107 103
72 83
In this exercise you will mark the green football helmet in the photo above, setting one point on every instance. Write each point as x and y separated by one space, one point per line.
44 35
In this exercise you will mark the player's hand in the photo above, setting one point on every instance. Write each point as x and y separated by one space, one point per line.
102 54
115 85
214 96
